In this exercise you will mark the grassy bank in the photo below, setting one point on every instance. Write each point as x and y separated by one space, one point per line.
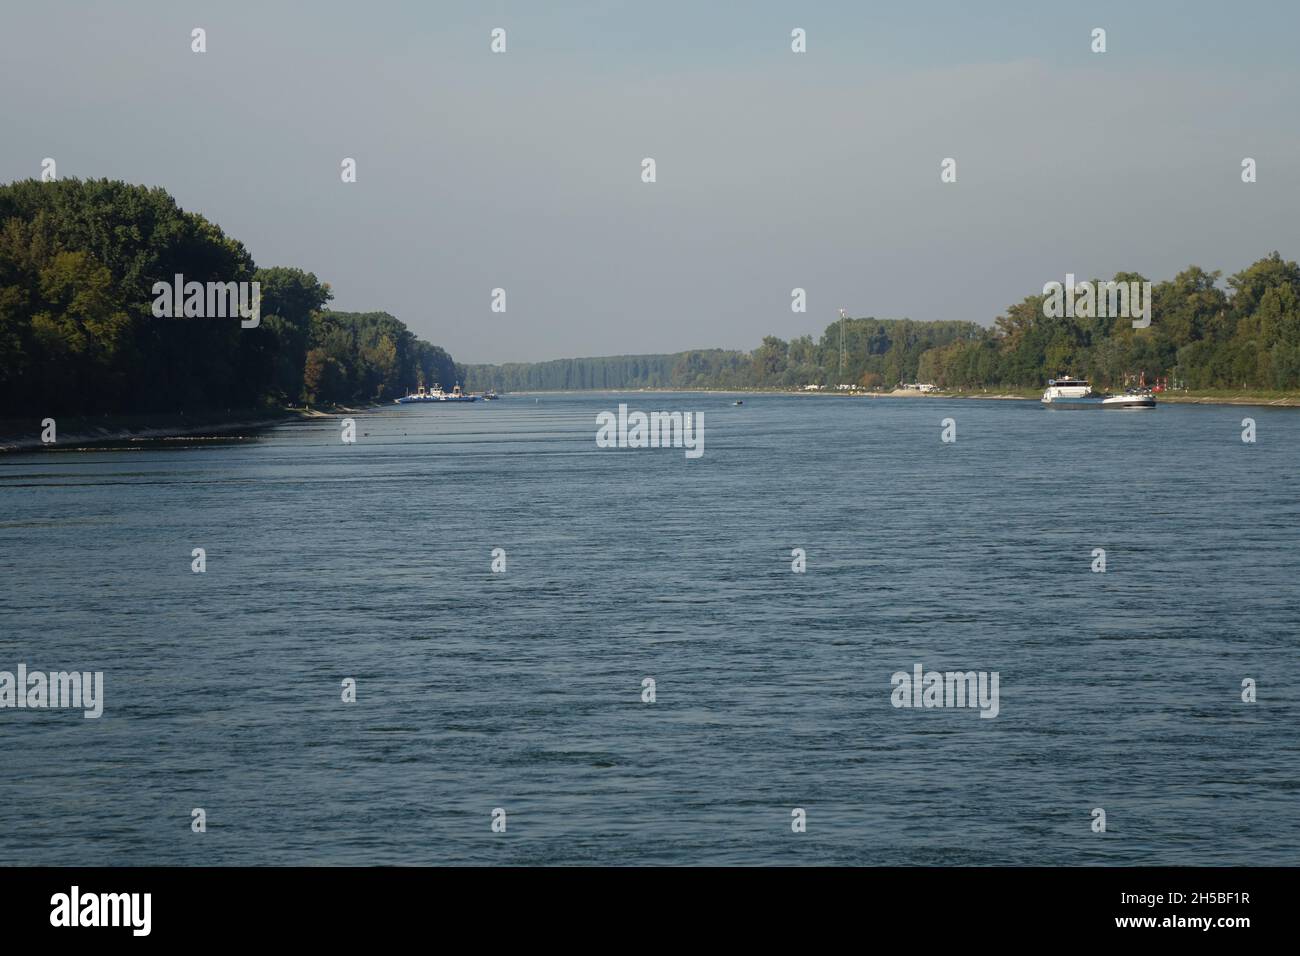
1229 397
1203 397
1206 397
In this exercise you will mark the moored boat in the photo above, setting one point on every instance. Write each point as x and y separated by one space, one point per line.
457 395
436 394
421 395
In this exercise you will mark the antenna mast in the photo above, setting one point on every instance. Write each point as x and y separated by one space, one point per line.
843 316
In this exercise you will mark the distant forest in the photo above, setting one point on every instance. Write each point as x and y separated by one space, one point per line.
78 261
1246 336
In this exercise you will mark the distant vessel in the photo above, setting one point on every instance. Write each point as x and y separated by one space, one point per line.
1069 392
1132 398
421 395
490 396
458 396
435 394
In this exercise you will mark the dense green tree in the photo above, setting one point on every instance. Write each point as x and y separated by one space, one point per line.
290 299
79 260
78 264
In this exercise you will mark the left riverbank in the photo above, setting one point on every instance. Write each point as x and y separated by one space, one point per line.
73 431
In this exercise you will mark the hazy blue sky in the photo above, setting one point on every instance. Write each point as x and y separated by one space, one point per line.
775 170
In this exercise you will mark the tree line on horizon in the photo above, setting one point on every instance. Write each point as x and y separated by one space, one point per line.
78 261
79 258
1244 336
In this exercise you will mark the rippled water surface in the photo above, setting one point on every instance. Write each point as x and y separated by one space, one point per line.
522 690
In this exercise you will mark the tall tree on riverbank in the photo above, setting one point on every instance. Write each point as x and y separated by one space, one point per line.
78 263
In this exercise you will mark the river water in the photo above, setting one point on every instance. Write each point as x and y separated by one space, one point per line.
523 689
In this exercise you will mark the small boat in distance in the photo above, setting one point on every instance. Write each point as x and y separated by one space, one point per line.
421 395
435 394
490 396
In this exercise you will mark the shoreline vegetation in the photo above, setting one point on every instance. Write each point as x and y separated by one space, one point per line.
113 431
1277 400
1199 336
80 264
80 341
